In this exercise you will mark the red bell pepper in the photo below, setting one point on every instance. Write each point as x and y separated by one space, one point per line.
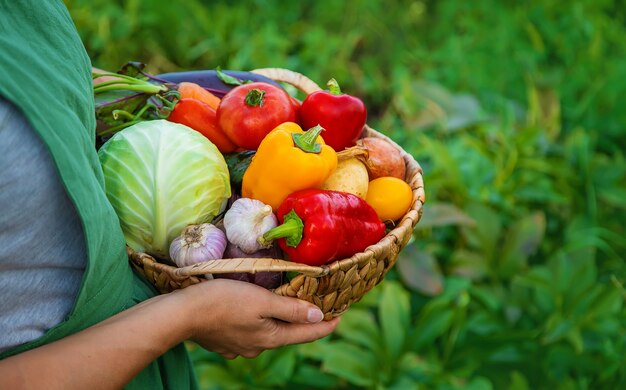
319 226
342 116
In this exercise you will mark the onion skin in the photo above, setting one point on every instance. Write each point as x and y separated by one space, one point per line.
381 158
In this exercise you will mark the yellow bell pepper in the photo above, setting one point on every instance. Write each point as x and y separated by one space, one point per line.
288 160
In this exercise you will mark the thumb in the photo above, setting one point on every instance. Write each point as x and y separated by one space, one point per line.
293 310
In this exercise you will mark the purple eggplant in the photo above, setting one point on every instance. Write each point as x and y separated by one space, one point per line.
268 280
214 80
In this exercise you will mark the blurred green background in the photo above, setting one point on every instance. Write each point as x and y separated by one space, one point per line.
515 277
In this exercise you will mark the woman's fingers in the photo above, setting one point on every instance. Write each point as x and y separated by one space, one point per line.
290 333
292 310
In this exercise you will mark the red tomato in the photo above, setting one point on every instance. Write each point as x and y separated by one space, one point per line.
249 112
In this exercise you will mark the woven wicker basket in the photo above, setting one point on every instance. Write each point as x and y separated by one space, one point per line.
332 287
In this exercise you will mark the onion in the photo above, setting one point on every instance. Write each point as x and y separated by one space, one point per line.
382 159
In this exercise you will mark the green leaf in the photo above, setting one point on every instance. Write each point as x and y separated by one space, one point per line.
228 79
307 376
359 327
402 383
354 364
518 382
486 234
575 338
479 383
279 369
417 368
522 240
469 264
615 197
212 376
608 303
465 111
557 327
394 312
316 350
444 214
420 271
483 324
435 319
487 296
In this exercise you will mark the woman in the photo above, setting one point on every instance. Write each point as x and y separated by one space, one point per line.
73 314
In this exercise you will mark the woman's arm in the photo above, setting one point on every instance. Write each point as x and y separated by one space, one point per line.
229 317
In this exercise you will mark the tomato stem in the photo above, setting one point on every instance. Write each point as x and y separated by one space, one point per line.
255 97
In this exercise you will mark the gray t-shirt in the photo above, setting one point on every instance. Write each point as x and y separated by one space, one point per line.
42 248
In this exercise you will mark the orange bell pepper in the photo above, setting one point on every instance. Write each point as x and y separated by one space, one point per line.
288 160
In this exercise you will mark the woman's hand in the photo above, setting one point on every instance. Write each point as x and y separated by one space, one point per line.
236 318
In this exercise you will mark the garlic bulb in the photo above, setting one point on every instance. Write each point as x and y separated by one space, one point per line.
198 243
246 221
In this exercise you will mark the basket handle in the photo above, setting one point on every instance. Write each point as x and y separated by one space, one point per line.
252 265
296 79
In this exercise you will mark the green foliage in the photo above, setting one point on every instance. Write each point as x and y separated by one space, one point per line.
515 276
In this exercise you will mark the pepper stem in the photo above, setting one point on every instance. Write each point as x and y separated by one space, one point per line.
333 87
307 140
254 97
291 230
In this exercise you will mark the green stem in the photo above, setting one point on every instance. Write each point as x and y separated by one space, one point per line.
167 103
333 87
307 140
291 230
121 83
121 113
142 111
147 88
254 97
116 75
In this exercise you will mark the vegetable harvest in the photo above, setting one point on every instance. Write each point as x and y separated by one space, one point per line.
319 226
213 167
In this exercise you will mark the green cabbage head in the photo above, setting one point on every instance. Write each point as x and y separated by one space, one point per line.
160 177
